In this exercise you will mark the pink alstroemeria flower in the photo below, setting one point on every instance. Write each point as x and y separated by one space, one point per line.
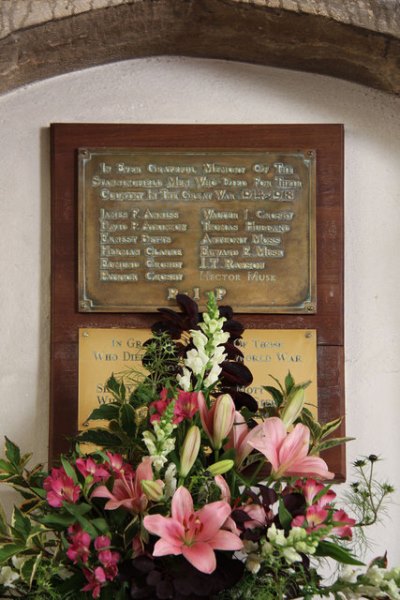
60 488
287 452
314 519
194 534
95 580
311 489
342 524
186 406
88 467
117 465
127 490
218 420
80 543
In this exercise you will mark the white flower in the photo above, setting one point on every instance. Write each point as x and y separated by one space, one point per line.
253 563
375 575
219 355
392 590
276 536
291 555
348 574
213 375
8 576
196 360
199 339
170 480
185 379
18 561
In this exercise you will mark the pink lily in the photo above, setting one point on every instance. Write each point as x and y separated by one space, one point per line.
194 534
239 438
287 452
127 490
218 420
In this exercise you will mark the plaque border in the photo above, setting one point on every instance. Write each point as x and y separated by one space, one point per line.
328 142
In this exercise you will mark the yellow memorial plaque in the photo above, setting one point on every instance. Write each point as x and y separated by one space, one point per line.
266 352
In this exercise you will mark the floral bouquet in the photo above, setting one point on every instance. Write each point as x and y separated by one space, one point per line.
192 490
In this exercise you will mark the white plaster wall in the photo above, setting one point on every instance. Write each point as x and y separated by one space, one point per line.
174 90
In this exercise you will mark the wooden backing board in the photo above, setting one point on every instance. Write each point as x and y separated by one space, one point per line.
328 142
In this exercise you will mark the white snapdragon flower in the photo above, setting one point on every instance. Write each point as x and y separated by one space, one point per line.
197 361
291 555
213 375
170 481
199 339
219 355
185 380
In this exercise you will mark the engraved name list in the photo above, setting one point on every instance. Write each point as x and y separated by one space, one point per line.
154 223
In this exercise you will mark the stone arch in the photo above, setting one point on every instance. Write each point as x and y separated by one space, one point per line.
357 40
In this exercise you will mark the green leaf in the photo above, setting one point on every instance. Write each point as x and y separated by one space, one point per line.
105 412
100 437
285 517
278 382
29 568
101 525
337 553
78 510
332 443
3 522
69 469
13 453
127 419
311 423
57 521
330 427
6 466
289 383
21 525
8 550
277 396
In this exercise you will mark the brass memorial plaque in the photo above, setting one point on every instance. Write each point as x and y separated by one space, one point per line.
157 222
266 351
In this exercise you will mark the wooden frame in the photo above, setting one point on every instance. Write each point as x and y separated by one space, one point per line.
326 140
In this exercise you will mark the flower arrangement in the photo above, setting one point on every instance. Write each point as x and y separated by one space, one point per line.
193 489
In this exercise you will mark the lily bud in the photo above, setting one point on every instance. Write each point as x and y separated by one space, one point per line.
293 407
152 489
190 450
221 467
224 416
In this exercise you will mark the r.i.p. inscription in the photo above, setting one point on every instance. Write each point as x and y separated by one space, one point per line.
154 223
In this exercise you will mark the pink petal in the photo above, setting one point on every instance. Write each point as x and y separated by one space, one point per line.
269 439
224 487
144 471
182 505
206 416
212 517
101 492
163 548
310 466
168 529
225 540
295 446
201 556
